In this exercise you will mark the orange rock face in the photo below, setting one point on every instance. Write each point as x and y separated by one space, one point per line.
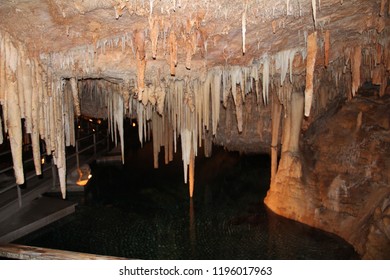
340 180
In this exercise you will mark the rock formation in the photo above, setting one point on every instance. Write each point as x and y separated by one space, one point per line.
214 71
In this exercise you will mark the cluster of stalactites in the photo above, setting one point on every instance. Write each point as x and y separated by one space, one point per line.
29 92
109 101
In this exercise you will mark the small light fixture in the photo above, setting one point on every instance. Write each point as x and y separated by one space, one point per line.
43 160
134 124
90 120
89 176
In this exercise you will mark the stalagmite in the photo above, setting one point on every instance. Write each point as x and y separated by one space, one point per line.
327 47
13 111
75 93
275 124
356 61
310 64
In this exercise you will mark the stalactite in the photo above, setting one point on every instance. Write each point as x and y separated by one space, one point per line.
141 60
206 100
216 99
2 68
275 124
1 132
310 65
383 8
239 108
58 131
119 115
160 93
282 61
27 83
243 28
154 26
255 77
35 113
190 49
173 52
314 9
157 139
225 87
12 110
355 69
75 93
19 81
66 113
327 48
265 78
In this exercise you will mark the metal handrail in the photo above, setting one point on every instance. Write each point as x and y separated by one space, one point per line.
76 154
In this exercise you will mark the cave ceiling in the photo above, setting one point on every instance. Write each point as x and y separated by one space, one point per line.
208 33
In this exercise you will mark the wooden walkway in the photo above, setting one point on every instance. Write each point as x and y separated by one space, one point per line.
21 252
37 214
25 210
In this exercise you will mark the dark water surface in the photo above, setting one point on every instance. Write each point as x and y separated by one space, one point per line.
135 211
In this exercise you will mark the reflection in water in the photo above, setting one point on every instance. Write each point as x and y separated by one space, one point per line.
135 211
192 227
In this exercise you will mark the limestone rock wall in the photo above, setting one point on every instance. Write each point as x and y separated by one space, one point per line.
339 181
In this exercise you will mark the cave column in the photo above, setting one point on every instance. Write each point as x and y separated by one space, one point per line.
297 104
275 123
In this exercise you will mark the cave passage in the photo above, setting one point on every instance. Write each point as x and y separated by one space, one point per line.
136 211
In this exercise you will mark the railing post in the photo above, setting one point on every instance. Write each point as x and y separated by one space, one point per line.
19 196
94 145
77 155
53 173
108 140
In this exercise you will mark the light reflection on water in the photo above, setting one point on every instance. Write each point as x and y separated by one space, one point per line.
137 212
